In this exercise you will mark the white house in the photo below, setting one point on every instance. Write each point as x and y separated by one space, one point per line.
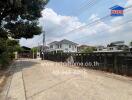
130 48
109 49
117 46
63 45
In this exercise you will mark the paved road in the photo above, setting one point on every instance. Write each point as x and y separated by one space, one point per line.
45 80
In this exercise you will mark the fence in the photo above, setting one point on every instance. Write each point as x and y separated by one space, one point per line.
115 62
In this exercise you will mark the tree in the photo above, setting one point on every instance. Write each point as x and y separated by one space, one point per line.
23 29
35 49
131 43
7 47
2 45
18 18
88 50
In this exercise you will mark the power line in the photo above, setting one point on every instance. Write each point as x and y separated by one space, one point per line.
86 3
114 1
92 23
117 26
85 6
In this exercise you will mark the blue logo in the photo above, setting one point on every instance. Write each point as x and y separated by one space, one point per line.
117 11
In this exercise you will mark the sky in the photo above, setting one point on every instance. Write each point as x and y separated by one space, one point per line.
62 19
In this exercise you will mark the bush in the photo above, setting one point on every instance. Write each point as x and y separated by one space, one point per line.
11 56
88 50
7 49
4 60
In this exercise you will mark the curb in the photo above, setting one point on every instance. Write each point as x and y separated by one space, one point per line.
2 82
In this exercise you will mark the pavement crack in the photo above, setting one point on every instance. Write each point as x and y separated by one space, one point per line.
55 85
23 83
11 71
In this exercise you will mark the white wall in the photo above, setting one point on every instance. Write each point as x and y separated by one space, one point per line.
65 48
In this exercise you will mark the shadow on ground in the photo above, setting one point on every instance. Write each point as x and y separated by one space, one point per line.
19 65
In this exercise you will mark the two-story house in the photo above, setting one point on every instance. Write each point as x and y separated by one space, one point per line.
63 46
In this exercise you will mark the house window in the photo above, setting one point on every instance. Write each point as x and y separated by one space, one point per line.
130 49
51 46
60 46
111 48
69 46
72 47
66 49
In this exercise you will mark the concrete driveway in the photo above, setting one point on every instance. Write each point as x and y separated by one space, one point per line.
46 80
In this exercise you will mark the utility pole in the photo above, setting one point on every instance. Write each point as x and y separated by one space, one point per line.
38 51
43 44
33 53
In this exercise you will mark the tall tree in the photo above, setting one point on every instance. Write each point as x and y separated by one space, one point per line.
88 50
19 18
131 43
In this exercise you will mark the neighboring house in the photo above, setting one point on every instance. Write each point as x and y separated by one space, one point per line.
118 46
26 52
63 46
130 48
100 48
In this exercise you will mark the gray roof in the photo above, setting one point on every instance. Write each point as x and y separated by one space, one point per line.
54 42
118 42
100 46
67 42
64 41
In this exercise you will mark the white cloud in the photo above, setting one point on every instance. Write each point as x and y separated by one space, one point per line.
129 3
94 17
122 21
58 27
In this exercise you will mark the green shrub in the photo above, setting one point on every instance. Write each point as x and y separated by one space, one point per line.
7 49
4 60
11 56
